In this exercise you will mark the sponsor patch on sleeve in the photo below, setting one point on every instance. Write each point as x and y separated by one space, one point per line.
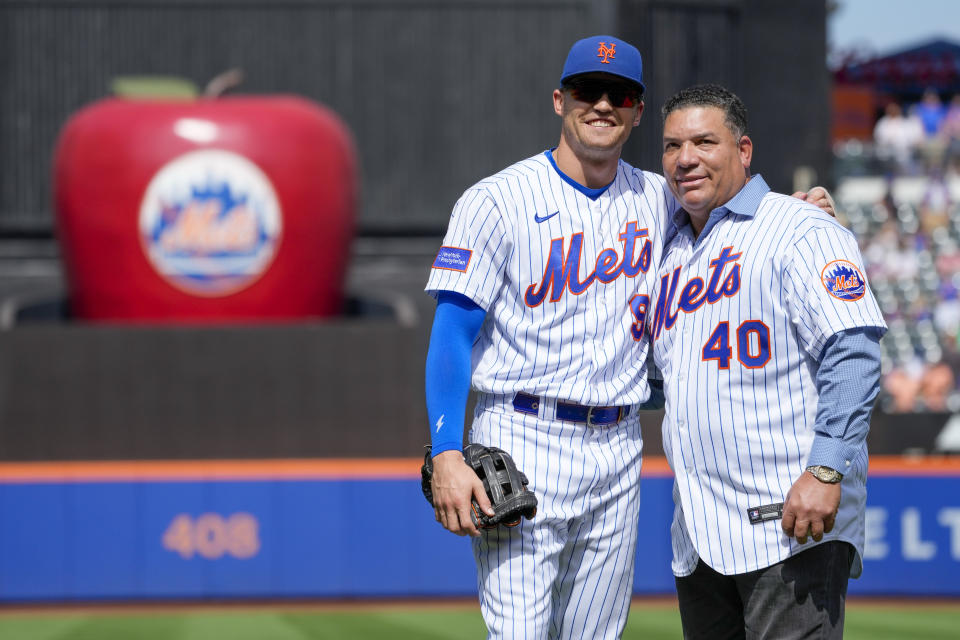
843 280
453 258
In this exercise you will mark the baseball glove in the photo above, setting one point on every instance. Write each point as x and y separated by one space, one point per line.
506 486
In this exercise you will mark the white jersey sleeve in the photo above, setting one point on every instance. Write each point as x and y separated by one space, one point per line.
825 285
474 254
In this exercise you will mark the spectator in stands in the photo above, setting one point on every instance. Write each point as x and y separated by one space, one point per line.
948 261
896 251
897 138
878 250
918 386
902 386
920 309
951 358
946 314
951 353
936 386
931 112
903 263
950 133
934 208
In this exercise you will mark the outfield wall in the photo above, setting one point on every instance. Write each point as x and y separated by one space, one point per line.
358 528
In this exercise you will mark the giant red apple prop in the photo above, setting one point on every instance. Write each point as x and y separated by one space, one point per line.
213 210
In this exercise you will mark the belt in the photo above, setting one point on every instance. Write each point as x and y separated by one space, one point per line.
572 412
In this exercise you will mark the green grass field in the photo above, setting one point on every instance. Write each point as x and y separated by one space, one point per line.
647 621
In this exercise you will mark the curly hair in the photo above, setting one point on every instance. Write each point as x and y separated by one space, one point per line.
711 95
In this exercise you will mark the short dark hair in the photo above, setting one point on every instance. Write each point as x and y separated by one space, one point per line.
711 95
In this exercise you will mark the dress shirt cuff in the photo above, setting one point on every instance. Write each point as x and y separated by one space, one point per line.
833 453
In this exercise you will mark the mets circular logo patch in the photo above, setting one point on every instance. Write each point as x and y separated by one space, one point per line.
843 280
210 222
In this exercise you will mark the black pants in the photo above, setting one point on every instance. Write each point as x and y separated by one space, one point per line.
801 597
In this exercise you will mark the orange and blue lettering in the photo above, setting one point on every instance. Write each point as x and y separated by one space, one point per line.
731 285
689 301
563 268
693 295
638 307
661 316
561 272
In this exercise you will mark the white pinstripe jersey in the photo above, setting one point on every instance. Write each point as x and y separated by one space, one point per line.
557 273
738 324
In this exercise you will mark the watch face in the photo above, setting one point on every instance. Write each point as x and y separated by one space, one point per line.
826 474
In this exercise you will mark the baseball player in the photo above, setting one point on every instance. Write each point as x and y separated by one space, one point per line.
767 336
537 285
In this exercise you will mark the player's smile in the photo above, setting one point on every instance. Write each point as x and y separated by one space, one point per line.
601 123
608 126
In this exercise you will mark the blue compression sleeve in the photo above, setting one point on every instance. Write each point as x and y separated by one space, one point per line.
455 327
848 381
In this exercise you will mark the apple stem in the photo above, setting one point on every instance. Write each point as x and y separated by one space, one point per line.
223 82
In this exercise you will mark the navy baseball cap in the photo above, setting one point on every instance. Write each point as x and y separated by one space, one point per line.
604 54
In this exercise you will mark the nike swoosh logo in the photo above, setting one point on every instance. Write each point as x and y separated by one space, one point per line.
544 218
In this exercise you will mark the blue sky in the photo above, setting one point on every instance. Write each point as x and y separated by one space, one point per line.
885 26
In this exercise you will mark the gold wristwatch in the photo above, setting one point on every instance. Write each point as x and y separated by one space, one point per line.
825 474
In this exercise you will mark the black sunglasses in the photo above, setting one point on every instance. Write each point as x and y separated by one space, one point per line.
619 95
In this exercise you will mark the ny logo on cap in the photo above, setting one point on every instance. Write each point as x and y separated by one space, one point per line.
607 53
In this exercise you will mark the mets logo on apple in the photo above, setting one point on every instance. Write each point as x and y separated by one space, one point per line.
210 222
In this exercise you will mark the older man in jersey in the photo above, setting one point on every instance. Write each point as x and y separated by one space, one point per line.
767 336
